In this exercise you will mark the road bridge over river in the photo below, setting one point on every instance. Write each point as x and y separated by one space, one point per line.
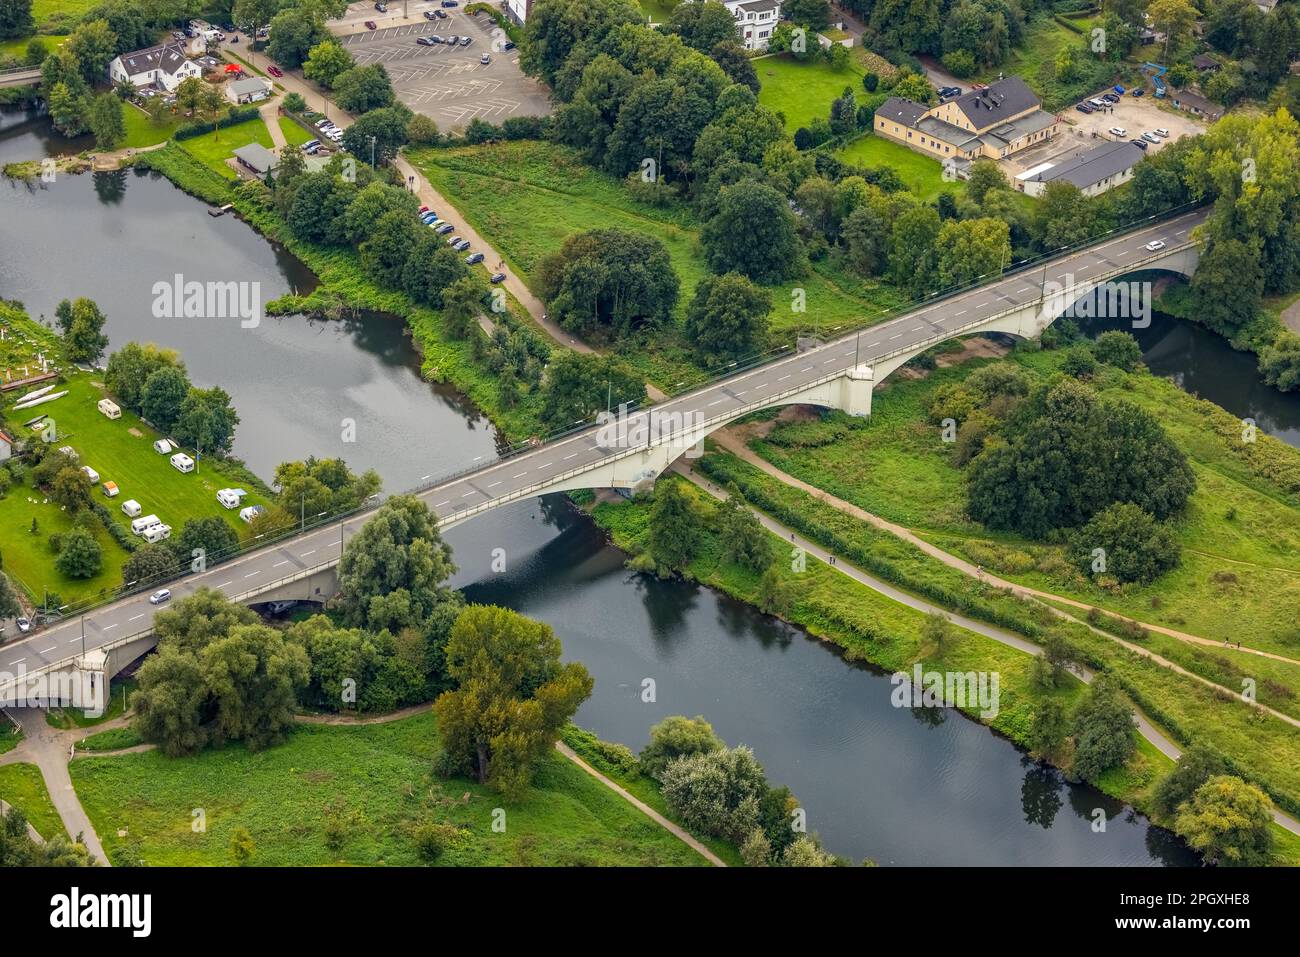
839 374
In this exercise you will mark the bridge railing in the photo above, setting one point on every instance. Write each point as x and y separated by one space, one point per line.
13 681
275 536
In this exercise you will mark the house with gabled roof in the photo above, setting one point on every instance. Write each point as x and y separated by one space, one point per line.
994 122
162 67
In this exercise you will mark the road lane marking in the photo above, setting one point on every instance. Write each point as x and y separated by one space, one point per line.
716 402
441 504
545 465
48 650
520 475
251 574
106 627
574 455
784 377
136 618
494 485
278 564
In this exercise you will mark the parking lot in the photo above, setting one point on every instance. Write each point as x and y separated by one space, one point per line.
451 84
1134 115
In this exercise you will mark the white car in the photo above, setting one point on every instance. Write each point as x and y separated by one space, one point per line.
24 624
1162 132
160 596
1155 245
1118 131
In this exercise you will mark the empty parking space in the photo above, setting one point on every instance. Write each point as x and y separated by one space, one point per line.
449 82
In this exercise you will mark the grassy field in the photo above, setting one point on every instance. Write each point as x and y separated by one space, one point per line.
1260 747
1034 61
526 197
376 778
213 149
44 9
1240 573
121 689
923 175
18 48
23 787
802 91
121 451
142 131
293 133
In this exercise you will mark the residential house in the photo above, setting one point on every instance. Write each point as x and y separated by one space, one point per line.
251 89
994 122
1195 104
1093 171
162 67
755 21
6 445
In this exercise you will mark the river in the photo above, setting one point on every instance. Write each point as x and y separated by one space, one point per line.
876 781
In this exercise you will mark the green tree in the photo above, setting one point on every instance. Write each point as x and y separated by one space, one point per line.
1230 822
609 282
295 31
513 696
753 233
393 572
16 19
164 393
913 259
385 251
1196 766
985 175
1117 348
727 318
82 325
105 120
70 489
674 527
374 201
363 88
675 737
579 385
206 421
1136 547
151 563
130 367
744 542
387 126
79 555
325 61
431 267
702 26
462 304
93 45
1104 733
971 250
253 676
1049 728
212 535
717 792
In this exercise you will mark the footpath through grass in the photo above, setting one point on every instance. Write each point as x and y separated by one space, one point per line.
1239 579
526 197
375 781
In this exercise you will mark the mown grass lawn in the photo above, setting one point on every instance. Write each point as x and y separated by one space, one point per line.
923 175
294 134
378 778
802 91
22 786
213 149
526 197
141 131
42 9
121 451
17 48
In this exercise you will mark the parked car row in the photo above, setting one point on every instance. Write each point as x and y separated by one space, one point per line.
1160 133
435 15
451 41
331 132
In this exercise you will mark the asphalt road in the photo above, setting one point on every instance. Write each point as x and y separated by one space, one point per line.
513 477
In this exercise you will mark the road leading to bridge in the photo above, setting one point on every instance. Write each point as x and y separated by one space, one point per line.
530 473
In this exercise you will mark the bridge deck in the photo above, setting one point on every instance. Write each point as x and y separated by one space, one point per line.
537 470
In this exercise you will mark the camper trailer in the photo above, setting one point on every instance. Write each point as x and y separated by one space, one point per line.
182 462
110 408
131 508
91 474
110 489
250 513
230 497
164 446
69 451
141 525
157 533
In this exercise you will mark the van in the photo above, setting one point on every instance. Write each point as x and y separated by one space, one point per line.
141 525
157 533
91 474
1099 104
131 508
182 462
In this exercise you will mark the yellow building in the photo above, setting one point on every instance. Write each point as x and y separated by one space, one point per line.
997 121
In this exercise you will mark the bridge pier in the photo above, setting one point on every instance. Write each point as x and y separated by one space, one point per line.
855 390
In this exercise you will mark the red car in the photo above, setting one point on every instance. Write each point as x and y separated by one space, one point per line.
274 70
371 25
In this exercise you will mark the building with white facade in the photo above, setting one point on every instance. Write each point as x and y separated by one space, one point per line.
1092 171
162 67
755 21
